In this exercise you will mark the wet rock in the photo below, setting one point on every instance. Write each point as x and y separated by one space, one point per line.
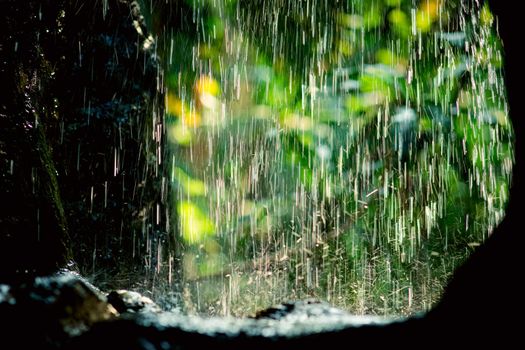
66 312
302 309
125 301
290 325
51 309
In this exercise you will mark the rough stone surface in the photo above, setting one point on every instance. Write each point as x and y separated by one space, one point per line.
51 309
300 310
125 301
64 310
300 324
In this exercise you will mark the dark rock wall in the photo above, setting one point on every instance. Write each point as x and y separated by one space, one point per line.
33 229
81 140
109 141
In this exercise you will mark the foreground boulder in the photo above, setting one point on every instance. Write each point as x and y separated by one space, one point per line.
49 310
66 311
288 326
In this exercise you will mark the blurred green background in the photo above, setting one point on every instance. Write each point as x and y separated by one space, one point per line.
351 151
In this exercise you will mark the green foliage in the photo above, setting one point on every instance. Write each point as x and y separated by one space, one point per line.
360 165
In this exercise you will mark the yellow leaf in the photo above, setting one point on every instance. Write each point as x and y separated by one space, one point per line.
196 227
189 117
207 85
427 15
174 106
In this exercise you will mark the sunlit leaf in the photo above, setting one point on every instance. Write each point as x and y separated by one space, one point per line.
191 186
486 16
188 116
400 21
351 21
180 134
195 225
426 15
207 85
